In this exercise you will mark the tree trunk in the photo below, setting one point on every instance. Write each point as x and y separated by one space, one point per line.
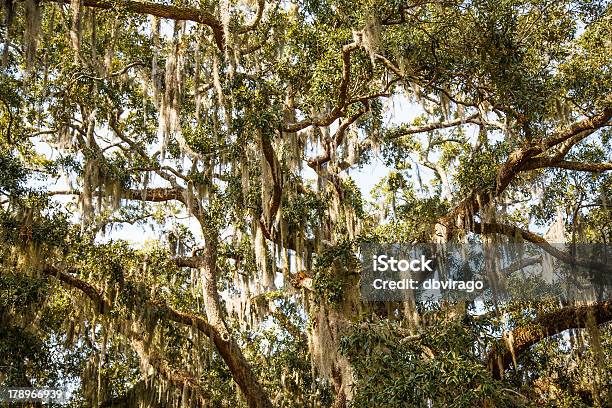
228 348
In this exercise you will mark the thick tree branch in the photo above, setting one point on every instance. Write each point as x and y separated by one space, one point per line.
514 231
586 126
521 263
153 195
187 262
516 162
102 306
544 326
160 10
227 347
567 164
156 195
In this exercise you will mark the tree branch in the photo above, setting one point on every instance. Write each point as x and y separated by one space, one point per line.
156 195
274 203
336 112
410 130
316 162
176 376
569 165
227 348
252 25
544 326
187 262
516 162
514 231
160 10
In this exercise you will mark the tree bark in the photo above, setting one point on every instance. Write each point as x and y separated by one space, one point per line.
227 346
161 10
544 326
214 327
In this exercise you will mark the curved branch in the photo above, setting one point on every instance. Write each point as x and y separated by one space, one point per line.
102 306
275 200
519 160
162 11
514 231
336 112
176 376
252 25
547 325
568 165
227 348
316 162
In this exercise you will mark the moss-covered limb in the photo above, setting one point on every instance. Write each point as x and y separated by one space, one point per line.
226 346
124 400
518 161
152 195
261 4
187 261
176 376
225 343
274 201
102 305
411 130
163 11
544 326
569 165
316 162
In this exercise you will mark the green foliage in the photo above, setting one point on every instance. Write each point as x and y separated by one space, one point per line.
87 116
12 174
352 196
439 367
479 172
29 349
327 287
304 211
412 214
588 72
331 268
